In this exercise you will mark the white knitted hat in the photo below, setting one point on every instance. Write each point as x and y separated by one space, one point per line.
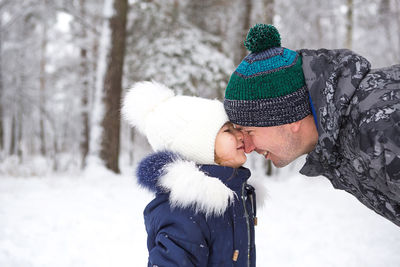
183 124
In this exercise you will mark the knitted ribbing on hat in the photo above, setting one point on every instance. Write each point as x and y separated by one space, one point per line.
268 87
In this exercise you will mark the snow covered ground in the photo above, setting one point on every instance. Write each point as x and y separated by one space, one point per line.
95 220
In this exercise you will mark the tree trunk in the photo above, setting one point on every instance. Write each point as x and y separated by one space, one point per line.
109 147
85 112
93 69
349 24
174 14
56 150
390 17
386 18
19 136
246 23
84 73
319 30
42 90
1 93
12 136
397 3
198 13
269 12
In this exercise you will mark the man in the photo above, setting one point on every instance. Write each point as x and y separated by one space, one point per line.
328 104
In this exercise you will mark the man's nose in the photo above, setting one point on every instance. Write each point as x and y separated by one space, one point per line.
248 143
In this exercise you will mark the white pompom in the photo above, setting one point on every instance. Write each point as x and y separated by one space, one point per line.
141 100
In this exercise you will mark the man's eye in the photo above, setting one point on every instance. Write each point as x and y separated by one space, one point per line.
227 131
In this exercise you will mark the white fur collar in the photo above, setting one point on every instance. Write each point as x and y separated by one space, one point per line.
190 187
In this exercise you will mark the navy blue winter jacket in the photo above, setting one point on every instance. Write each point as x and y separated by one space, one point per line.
201 214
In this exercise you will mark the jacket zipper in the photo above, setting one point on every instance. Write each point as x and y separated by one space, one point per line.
247 223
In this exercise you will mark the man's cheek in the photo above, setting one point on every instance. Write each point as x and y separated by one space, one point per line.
258 143
253 140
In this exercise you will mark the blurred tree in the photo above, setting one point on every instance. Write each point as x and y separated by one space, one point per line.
397 17
85 76
112 82
269 11
389 15
246 25
1 89
349 24
42 78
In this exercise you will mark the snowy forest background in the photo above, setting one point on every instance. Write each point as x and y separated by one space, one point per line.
67 160
63 66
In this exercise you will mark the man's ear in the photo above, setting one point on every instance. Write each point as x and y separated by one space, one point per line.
295 126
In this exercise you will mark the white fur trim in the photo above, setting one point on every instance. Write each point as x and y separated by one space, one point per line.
141 100
190 187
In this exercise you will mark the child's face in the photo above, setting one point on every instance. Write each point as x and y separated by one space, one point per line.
229 147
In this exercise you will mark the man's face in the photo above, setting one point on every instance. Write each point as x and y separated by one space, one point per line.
277 143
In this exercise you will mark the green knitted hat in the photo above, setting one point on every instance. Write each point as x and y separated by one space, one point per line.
268 87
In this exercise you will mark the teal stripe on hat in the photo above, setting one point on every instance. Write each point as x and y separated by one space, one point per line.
271 85
246 69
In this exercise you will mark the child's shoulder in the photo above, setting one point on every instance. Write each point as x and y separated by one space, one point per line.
153 167
184 183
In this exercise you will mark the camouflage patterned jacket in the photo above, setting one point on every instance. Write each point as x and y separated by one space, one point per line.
357 111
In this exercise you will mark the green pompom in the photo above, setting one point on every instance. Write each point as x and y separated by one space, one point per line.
262 37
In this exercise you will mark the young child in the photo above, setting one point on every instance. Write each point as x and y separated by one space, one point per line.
204 211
